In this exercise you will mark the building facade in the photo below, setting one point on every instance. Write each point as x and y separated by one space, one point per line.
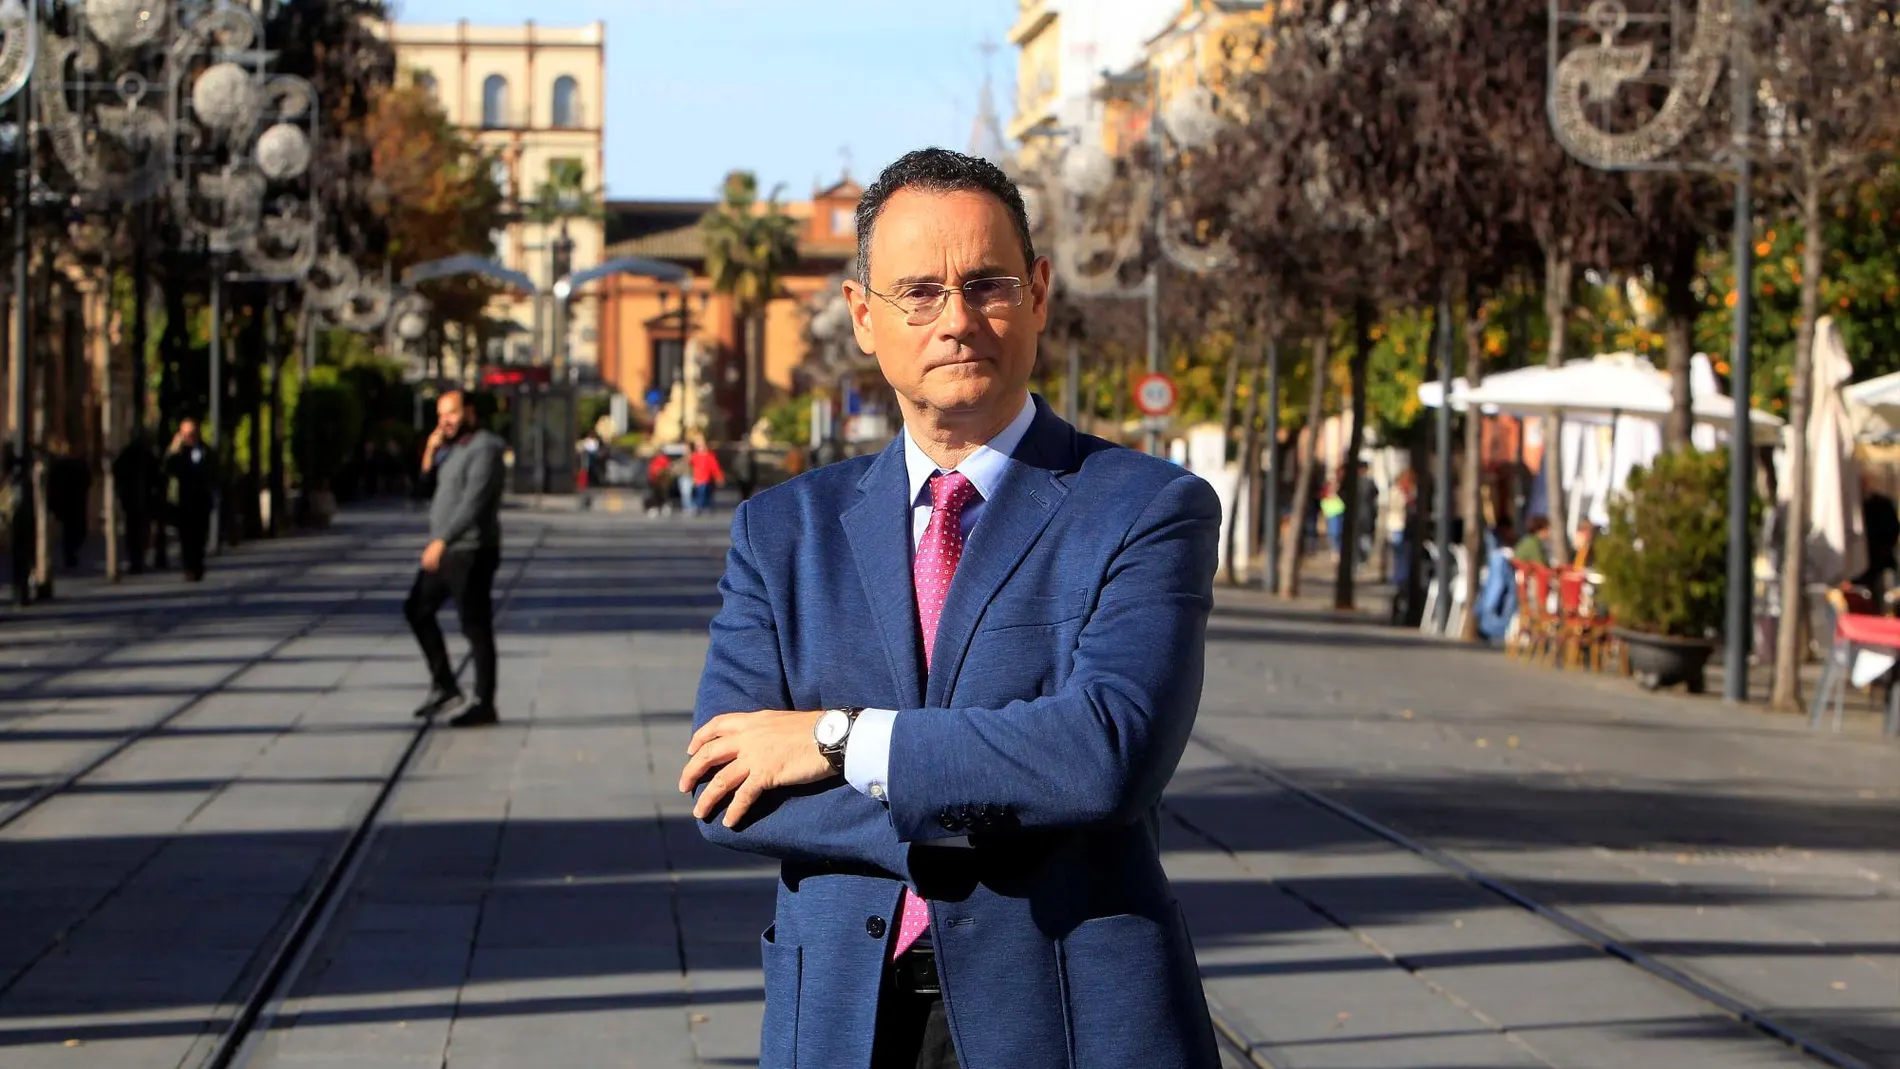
531 96
658 359
1062 49
1070 51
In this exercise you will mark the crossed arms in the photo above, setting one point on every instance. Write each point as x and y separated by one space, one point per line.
1098 751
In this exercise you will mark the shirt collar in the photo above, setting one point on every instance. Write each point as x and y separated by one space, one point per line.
984 467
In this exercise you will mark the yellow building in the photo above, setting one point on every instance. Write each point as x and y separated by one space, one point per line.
1037 36
1083 66
530 95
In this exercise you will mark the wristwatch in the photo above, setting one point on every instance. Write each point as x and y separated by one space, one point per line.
833 731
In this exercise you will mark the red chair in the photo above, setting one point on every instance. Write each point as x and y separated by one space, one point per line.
1854 631
1541 629
1580 633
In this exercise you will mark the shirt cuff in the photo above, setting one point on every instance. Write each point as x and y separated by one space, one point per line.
867 753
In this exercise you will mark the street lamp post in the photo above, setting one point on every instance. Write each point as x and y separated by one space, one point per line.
1596 74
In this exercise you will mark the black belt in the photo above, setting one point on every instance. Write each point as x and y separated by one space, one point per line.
914 972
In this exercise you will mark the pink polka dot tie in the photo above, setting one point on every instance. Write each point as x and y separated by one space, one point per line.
932 569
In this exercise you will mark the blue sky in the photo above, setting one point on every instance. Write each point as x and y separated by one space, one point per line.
781 87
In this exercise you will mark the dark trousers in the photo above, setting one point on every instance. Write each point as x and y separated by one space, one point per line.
137 536
912 1033
194 529
468 578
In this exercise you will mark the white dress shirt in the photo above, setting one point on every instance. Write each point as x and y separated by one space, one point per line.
867 753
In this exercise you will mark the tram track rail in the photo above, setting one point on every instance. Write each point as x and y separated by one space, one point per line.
1605 942
250 1018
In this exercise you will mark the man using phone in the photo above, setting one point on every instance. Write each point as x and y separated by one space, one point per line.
459 563
192 470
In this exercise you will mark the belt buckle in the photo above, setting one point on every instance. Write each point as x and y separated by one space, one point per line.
915 972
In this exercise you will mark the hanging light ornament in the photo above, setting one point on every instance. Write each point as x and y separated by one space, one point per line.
1088 171
123 25
16 47
283 152
225 97
1192 118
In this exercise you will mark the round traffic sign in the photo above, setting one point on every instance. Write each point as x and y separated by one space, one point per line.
1154 394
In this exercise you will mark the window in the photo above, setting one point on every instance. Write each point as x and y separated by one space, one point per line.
504 178
494 102
566 103
425 82
844 221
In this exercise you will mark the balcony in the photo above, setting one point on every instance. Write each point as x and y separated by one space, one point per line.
1032 17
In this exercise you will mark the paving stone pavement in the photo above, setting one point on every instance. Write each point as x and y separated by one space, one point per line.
536 893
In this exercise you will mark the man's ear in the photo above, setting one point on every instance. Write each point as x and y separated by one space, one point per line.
858 298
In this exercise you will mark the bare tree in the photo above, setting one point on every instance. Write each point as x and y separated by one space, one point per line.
1827 88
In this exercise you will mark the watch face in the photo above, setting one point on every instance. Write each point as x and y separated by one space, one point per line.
832 728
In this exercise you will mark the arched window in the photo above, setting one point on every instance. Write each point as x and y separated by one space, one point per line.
566 104
425 82
494 102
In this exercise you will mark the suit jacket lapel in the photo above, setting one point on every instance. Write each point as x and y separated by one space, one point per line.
878 527
1024 503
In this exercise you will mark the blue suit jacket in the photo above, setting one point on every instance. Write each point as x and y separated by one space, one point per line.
1064 686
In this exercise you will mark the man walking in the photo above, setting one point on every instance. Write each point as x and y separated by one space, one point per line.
192 471
949 682
459 563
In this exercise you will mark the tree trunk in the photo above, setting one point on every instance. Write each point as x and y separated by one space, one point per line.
1789 643
1290 552
1472 492
1123 383
1249 461
1349 466
1559 274
1679 336
754 370
1228 393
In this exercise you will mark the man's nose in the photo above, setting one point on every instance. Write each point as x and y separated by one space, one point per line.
957 320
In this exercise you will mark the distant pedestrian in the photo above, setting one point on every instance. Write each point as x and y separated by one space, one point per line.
191 474
1531 549
662 485
1333 508
745 470
68 492
1365 518
136 475
707 474
460 561
22 547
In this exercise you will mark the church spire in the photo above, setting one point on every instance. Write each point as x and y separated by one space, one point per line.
986 132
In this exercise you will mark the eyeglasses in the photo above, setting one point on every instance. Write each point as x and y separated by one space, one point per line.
923 302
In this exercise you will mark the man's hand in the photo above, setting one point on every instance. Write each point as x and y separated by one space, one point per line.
432 555
753 753
431 447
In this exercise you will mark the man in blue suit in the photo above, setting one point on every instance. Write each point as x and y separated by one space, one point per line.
948 683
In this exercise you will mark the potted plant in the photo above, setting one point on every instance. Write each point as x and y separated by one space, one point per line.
1664 563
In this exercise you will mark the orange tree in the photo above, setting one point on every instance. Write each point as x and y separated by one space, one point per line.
436 194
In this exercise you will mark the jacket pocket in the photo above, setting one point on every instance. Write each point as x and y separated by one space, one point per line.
1041 611
778 1037
1134 993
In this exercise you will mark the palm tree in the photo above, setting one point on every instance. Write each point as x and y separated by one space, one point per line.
563 197
749 248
